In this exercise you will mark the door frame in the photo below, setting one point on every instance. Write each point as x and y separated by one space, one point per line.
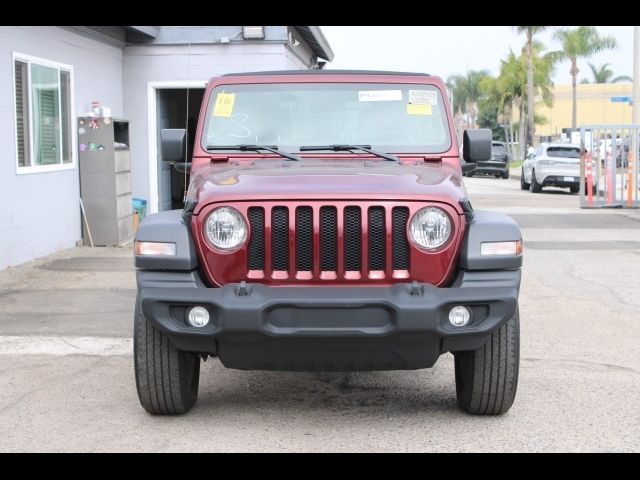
152 132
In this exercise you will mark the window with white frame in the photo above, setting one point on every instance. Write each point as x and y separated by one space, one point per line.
43 114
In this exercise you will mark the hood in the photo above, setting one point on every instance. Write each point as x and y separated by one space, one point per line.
326 179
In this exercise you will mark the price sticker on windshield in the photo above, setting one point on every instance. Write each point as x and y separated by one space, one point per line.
379 95
413 109
423 97
224 105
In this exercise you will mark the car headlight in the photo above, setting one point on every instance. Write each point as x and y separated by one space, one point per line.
225 228
430 228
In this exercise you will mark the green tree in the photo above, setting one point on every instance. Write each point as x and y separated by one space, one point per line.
582 42
488 114
603 74
510 88
465 90
530 32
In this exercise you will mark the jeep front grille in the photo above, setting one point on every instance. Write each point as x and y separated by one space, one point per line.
327 242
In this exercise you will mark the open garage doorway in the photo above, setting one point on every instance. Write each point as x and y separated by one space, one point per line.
175 107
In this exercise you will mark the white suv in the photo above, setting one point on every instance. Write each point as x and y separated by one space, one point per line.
553 165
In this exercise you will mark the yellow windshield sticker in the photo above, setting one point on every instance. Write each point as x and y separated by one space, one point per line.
420 109
224 105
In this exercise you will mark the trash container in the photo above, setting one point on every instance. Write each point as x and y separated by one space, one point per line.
140 206
139 211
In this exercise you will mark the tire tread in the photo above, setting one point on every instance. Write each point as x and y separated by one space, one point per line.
487 378
166 378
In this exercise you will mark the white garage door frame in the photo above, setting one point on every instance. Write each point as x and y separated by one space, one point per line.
152 111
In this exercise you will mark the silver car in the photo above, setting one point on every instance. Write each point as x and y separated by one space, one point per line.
553 165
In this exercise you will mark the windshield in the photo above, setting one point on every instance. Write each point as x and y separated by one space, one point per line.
498 149
388 117
563 152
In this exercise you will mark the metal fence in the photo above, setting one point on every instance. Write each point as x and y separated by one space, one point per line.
609 166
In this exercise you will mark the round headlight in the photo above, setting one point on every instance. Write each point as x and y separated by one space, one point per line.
430 228
225 228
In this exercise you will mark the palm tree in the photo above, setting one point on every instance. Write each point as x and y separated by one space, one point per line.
458 87
466 92
604 74
474 78
581 42
510 86
530 32
508 91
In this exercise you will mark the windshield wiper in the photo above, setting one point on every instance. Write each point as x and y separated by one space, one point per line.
341 148
255 148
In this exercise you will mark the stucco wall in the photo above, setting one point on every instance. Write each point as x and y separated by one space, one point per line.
39 212
594 106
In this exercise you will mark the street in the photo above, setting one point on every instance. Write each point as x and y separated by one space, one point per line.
67 383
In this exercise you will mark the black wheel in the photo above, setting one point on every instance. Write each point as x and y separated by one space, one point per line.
574 189
535 187
166 378
505 174
523 185
487 378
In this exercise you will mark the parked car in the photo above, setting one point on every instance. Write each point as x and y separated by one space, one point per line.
299 251
554 165
622 158
498 165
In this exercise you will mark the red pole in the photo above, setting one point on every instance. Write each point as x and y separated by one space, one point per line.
589 177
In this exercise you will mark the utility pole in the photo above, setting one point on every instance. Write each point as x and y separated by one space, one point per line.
636 76
635 118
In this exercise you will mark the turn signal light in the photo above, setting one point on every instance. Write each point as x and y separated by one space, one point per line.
154 248
501 248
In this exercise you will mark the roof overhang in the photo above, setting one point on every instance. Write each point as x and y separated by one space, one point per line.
150 32
317 41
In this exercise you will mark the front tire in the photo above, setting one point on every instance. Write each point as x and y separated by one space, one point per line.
505 174
574 189
166 378
523 185
487 378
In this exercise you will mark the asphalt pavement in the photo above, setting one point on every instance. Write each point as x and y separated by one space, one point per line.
67 384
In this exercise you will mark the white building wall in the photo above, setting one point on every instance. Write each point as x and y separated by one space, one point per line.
39 212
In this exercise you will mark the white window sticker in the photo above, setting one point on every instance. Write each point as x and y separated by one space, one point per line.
380 95
423 97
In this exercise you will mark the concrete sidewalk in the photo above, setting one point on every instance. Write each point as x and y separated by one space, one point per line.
81 291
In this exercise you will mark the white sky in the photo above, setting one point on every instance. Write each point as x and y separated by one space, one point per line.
443 51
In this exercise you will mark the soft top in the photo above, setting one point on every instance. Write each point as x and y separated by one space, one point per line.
326 72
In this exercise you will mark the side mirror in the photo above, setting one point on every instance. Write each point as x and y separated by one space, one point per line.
476 145
172 144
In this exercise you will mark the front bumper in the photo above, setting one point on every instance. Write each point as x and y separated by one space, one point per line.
258 327
491 167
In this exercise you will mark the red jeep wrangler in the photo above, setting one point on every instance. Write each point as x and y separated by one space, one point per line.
327 228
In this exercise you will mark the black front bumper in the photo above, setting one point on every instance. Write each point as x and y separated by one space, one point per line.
491 167
259 327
